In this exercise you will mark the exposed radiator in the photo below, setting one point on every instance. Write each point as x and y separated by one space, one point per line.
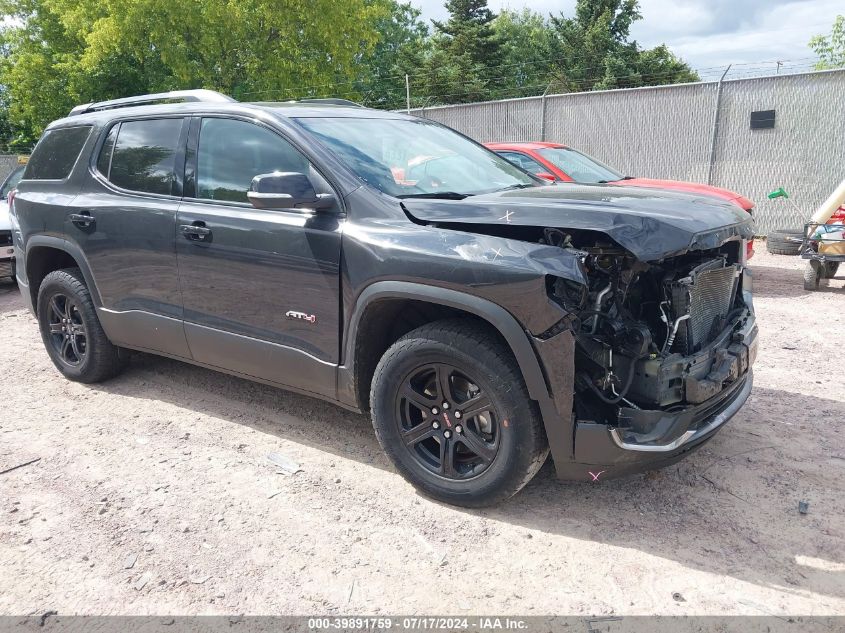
707 294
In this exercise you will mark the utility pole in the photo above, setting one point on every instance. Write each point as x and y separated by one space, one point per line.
407 94
779 63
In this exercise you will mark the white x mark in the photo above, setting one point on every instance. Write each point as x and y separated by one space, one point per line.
498 252
507 216
595 476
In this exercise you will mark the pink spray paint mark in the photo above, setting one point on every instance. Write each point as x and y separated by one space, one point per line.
595 476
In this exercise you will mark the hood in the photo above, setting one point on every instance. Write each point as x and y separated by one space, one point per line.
650 224
690 187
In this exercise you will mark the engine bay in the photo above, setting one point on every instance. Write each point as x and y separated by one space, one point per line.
662 335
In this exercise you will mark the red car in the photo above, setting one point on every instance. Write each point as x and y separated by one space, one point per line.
559 163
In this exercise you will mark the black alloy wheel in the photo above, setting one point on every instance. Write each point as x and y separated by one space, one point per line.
451 410
447 422
71 330
67 330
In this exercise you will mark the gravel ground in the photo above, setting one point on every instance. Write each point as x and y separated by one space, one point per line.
153 495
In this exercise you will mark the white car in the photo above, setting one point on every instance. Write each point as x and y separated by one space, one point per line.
7 251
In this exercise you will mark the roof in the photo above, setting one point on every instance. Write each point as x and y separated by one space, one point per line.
529 145
285 110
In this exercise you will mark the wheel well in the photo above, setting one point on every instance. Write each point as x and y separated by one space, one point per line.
387 320
40 262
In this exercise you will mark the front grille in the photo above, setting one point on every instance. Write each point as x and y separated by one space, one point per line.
5 238
707 294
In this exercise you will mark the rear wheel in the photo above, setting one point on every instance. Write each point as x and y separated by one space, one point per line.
451 410
71 331
830 269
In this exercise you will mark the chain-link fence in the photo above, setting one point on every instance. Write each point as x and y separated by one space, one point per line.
8 162
695 132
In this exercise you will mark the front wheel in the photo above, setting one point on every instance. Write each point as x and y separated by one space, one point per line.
71 330
812 275
451 410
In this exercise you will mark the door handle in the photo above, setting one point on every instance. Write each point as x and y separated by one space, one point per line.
83 219
196 232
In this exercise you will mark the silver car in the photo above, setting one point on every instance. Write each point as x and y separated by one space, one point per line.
7 250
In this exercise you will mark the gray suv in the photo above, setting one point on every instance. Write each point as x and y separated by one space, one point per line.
393 266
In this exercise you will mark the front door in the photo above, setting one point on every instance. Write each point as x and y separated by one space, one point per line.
260 288
124 222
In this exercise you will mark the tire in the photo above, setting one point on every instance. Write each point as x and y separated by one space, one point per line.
784 242
492 453
830 269
71 330
812 275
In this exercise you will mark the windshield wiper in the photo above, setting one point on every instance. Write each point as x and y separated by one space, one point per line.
442 195
521 185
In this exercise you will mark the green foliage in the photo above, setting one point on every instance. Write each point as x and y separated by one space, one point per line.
401 49
528 49
64 52
596 54
465 54
831 48
55 54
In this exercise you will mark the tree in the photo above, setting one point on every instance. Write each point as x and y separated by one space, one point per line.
465 54
401 49
831 48
594 52
63 52
528 48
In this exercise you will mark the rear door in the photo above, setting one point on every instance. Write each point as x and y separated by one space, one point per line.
261 288
124 222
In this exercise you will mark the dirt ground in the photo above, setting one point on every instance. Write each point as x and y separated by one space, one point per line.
153 494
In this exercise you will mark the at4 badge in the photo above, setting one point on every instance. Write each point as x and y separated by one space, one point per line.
301 316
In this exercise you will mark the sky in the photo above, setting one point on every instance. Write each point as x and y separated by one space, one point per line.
710 34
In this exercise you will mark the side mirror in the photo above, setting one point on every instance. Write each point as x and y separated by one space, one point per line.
546 176
287 190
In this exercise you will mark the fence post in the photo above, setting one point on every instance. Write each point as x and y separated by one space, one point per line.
543 113
715 129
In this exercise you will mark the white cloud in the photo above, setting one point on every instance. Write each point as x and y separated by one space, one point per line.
709 33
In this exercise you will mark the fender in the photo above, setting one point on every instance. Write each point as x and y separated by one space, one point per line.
61 244
558 427
494 314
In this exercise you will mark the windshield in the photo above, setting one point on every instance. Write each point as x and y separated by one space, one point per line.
11 183
415 158
578 166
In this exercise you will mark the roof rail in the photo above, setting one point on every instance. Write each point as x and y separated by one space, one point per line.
207 96
331 101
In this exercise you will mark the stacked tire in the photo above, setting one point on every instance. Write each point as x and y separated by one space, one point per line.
784 242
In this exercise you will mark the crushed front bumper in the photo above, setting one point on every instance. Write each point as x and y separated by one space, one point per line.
602 452
648 439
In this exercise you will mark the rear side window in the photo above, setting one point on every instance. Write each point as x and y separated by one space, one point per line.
56 153
141 155
527 163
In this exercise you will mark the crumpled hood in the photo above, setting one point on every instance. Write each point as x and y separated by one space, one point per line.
650 224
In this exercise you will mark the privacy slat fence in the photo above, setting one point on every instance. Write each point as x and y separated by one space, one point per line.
673 131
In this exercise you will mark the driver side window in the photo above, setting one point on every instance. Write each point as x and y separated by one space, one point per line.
232 152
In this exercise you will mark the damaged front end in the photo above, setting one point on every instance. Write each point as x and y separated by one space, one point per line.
654 351
663 351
